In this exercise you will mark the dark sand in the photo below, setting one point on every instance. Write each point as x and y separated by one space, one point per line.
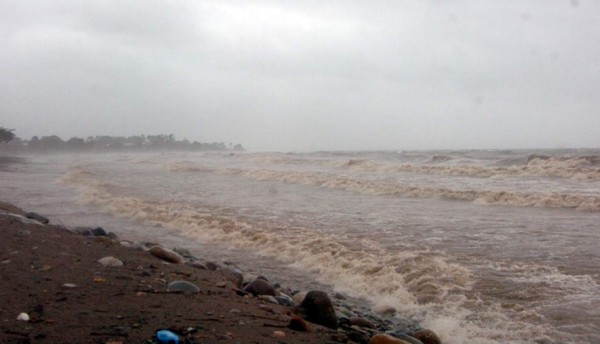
125 304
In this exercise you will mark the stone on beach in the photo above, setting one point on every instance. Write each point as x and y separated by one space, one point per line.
23 317
298 298
386 339
183 286
318 308
166 254
299 324
37 217
110 261
426 336
361 322
260 287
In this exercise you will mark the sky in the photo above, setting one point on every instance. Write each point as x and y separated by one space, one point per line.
306 75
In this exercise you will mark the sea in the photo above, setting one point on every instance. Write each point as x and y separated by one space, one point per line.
481 246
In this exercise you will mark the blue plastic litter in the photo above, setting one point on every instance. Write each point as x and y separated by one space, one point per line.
167 337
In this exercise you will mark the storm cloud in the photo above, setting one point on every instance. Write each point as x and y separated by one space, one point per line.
306 75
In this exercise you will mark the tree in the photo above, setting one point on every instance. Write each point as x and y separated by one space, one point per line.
6 134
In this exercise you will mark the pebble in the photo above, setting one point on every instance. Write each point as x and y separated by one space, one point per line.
278 334
299 324
70 285
166 254
318 308
361 322
386 339
426 336
110 261
260 287
402 334
23 317
298 298
284 300
99 231
37 217
211 266
183 286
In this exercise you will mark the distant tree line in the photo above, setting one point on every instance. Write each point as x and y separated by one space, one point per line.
110 143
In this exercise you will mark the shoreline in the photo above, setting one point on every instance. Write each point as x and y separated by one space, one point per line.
56 276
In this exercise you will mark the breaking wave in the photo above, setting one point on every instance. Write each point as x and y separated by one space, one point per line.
322 179
419 283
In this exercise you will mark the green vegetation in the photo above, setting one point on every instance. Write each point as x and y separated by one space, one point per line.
113 143
6 135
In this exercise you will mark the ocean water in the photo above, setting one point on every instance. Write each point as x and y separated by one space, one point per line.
480 246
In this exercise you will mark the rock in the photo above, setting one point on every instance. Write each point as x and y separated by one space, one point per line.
211 266
278 334
234 275
261 277
69 285
99 231
110 261
426 336
339 296
23 317
298 298
403 335
113 236
37 217
386 339
183 286
196 265
166 254
299 324
260 287
284 300
361 322
83 231
317 308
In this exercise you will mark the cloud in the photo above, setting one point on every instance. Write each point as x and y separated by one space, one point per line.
305 75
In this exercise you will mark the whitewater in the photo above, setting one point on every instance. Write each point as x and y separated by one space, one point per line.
480 246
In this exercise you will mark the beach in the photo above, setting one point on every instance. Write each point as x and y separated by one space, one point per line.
57 277
478 246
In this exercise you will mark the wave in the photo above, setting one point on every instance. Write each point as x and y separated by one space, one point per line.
419 283
582 168
578 168
322 179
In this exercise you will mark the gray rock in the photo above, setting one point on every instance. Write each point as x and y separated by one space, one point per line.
37 217
196 265
361 322
99 231
402 334
284 300
260 287
318 308
298 298
110 261
211 266
166 254
183 286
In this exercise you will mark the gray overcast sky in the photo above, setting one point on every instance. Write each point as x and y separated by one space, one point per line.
306 75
